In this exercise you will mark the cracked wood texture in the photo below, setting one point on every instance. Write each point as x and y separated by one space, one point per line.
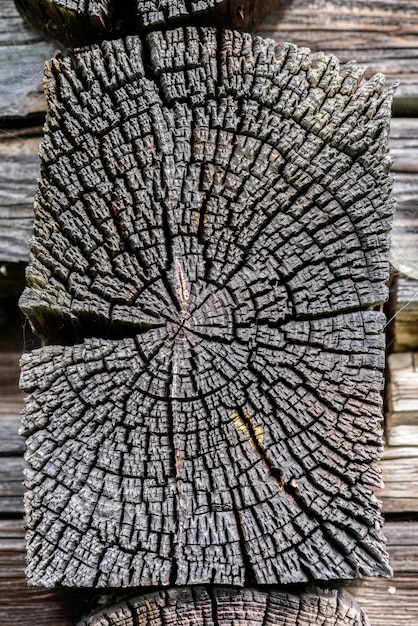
225 606
81 22
210 243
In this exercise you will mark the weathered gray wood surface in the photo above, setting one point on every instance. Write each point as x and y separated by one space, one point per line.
399 464
402 417
80 22
19 170
22 56
382 35
386 602
404 318
15 217
212 251
224 606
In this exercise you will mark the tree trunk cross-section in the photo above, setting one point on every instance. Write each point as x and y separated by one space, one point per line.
81 22
210 243
223 607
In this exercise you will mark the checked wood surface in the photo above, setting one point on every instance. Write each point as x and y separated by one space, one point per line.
210 246
223 607
80 22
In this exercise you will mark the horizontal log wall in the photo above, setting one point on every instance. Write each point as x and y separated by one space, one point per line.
383 35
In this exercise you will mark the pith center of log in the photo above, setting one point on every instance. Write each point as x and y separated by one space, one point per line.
199 309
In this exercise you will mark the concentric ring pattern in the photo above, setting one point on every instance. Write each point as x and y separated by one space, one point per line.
222 605
210 249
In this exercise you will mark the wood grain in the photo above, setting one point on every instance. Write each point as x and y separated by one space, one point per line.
225 606
399 472
22 56
402 417
20 606
81 22
18 186
387 602
383 600
19 170
404 321
403 145
400 476
19 167
205 260
381 34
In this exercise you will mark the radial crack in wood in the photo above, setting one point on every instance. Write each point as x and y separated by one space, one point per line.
223 606
210 240
81 22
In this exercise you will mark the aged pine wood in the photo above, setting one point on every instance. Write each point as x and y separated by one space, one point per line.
224 606
11 444
403 548
388 604
403 144
399 472
404 254
81 22
399 466
11 486
404 149
225 358
403 319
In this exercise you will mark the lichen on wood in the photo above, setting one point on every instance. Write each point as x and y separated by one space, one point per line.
210 246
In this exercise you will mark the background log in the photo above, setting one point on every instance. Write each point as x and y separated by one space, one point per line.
223 606
402 419
19 170
382 35
404 319
77 22
22 56
382 600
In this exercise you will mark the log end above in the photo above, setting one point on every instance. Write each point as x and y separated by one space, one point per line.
74 23
210 246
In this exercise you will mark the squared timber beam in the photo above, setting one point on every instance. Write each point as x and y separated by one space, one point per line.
209 255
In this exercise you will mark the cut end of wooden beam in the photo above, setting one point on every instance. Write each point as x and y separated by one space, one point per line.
225 606
83 22
210 243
